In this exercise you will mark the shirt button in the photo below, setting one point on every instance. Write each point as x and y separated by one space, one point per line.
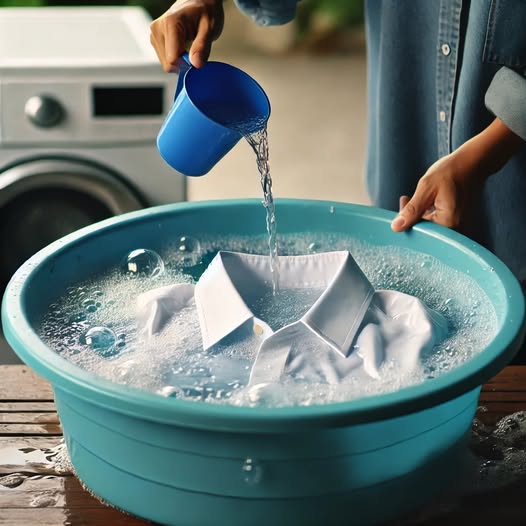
258 329
446 50
442 116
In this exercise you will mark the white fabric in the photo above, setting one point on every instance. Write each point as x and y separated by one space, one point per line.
349 330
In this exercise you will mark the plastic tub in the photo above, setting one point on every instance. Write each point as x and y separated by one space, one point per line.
191 464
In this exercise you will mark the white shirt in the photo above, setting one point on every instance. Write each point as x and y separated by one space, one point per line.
349 330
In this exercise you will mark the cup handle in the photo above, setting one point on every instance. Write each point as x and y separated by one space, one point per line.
184 65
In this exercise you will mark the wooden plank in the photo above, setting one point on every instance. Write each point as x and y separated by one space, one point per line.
503 396
511 378
19 382
36 442
49 492
29 418
61 516
30 429
26 407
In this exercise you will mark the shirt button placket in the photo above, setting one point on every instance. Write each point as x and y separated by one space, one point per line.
448 35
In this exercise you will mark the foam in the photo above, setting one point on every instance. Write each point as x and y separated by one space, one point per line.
167 363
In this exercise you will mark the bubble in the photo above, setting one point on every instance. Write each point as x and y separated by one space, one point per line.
170 391
90 305
188 250
196 393
252 472
313 248
77 317
143 262
101 340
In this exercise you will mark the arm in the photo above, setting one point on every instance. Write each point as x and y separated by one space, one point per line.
443 194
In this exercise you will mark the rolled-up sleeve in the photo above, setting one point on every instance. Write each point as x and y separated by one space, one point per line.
506 99
268 12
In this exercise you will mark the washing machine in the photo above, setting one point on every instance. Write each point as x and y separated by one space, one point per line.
82 98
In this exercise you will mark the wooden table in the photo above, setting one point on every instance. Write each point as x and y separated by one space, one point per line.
28 422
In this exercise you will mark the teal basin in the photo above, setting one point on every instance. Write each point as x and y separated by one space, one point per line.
184 463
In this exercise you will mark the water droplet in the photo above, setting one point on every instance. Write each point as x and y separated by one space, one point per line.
188 244
170 391
196 393
252 472
313 248
77 317
90 305
101 340
143 262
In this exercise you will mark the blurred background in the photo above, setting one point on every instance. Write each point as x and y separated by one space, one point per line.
77 133
313 71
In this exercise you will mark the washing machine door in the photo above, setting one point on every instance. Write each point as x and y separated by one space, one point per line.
45 199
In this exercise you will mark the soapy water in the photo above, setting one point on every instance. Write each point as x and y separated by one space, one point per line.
94 323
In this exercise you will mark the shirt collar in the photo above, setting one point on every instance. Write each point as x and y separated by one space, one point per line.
232 277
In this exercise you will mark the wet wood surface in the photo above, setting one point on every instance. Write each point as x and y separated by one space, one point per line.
29 496
29 423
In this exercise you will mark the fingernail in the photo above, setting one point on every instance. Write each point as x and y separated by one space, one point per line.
398 222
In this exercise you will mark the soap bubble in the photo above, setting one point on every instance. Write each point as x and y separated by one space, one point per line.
188 244
170 391
313 248
188 250
90 305
121 340
77 317
101 340
143 262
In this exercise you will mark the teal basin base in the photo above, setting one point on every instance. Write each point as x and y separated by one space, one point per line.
184 463
361 507
352 483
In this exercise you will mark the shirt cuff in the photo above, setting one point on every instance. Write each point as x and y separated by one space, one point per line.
268 12
506 99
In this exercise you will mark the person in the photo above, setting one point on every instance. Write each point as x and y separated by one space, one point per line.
446 107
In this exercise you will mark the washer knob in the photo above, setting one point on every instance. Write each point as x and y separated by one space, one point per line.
44 111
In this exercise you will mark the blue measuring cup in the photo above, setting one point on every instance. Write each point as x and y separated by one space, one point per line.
214 107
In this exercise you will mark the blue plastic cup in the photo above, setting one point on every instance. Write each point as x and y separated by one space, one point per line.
214 107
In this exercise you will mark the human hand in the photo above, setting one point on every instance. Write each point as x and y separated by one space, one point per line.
448 192
200 21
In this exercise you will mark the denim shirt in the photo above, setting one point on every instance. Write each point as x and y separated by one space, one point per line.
439 71
268 12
